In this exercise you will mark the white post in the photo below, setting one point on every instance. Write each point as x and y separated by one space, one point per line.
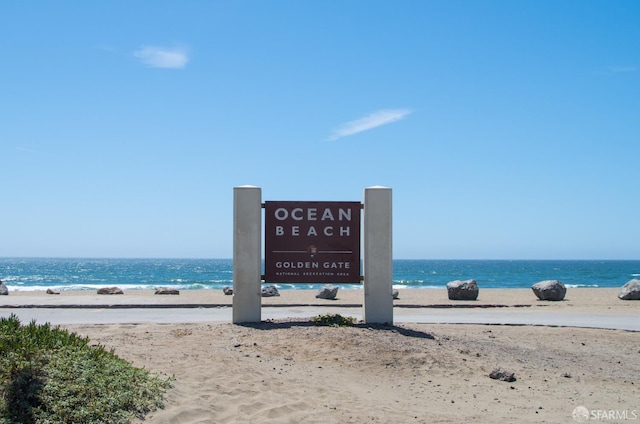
247 229
378 260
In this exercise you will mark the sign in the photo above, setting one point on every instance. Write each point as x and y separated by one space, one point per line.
312 242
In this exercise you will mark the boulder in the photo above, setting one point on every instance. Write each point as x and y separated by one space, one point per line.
167 290
228 291
4 291
270 291
631 290
327 292
549 290
502 375
52 291
110 290
395 293
462 290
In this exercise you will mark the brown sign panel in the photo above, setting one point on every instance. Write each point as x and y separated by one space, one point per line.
312 242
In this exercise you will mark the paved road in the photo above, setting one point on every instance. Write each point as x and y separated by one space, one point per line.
506 316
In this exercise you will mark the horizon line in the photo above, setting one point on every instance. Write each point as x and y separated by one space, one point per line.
230 259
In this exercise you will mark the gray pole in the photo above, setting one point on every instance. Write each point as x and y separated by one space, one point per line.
378 256
247 229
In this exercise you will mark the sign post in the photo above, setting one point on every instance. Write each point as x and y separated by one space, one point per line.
378 256
247 229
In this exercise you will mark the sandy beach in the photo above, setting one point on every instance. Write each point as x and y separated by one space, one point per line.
288 371
581 298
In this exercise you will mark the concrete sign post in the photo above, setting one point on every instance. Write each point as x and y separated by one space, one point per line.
378 256
247 229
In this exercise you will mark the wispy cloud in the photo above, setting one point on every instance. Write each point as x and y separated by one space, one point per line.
616 70
622 69
373 120
163 57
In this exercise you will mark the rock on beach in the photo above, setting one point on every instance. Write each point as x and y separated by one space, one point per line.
462 290
110 290
502 375
270 291
631 290
328 291
167 290
549 290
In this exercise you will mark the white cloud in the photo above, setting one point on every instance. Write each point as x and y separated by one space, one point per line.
373 120
163 57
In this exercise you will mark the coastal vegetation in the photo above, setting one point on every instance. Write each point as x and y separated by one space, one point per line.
333 320
49 375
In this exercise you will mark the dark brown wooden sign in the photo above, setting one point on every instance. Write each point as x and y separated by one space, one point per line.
312 242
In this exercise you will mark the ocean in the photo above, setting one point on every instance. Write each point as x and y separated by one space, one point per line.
34 274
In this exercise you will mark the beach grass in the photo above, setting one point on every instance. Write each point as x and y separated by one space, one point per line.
50 375
333 320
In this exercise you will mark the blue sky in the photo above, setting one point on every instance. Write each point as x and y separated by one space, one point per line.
506 129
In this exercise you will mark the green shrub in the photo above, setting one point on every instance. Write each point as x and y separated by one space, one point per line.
335 320
48 375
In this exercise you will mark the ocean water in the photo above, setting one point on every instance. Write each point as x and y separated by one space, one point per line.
32 274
